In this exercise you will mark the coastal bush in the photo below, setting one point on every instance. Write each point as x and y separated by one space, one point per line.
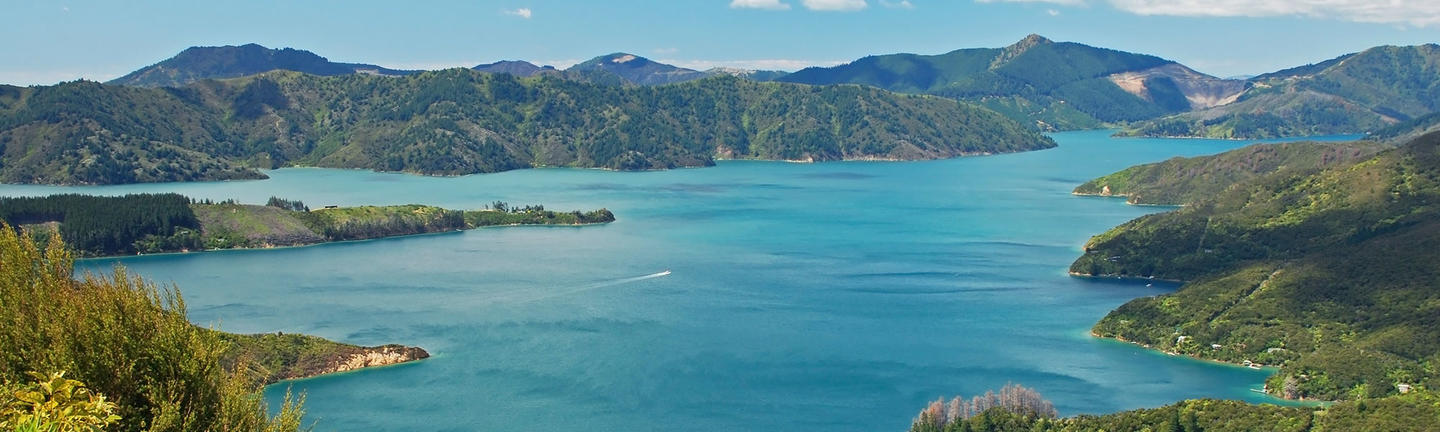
1330 275
54 403
124 338
1415 411
1013 405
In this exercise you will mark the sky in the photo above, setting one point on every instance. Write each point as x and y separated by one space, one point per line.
44 42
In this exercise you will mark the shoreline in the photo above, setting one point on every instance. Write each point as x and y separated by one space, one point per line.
266 172
1127 199
1271 369
305 245
424 355
1123 278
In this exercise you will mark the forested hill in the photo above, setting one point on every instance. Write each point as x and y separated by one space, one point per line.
1354 93
1180 181
197 63
461 121
1059 85
1335 275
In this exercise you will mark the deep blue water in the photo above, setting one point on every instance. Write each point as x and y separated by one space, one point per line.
841 295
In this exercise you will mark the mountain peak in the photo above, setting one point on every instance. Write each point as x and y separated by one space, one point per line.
636 69
518 68
620 58
1018 48
1032 40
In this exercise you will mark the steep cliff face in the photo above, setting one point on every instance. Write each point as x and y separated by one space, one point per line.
369 357
279 356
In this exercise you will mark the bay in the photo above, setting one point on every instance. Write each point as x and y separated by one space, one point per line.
842 295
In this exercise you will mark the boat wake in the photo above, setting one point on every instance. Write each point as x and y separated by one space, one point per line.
595 286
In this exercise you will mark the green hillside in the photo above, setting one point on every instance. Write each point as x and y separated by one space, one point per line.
1185 180
462 121
1330 275
155 223
1355 93
1056 85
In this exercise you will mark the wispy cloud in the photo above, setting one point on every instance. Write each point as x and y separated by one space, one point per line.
23 77
1058 2
521 12
758 64
759 4
665 51
1418 13
902 4
1052 12
433 65
834 5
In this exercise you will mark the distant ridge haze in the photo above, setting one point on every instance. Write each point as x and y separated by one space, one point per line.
1037 81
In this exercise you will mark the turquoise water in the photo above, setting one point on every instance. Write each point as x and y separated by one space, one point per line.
841 296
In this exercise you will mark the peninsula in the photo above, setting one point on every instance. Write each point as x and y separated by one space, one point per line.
95 226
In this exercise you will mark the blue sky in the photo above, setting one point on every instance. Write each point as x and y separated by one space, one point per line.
47 41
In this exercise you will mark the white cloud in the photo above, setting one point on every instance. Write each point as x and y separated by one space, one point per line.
23 77
1052 12
759 4
521 12
834 5
559 63
1414 12
902 4
433 65
757 64
1058 2
1418 13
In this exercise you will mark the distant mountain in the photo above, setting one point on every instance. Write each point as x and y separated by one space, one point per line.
633 69
1354 93
1055 85
515 67
750 74
197 63
461 121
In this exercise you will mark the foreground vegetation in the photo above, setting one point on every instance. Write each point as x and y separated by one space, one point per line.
462 121
1330 275
1015 410
122 338
154 223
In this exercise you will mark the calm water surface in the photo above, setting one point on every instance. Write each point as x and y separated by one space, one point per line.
802 296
